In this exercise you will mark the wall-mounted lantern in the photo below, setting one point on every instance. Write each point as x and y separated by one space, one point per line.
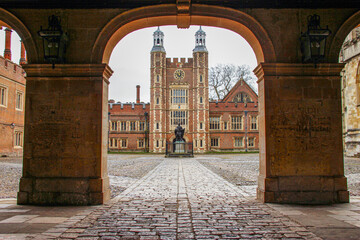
313 41
54 40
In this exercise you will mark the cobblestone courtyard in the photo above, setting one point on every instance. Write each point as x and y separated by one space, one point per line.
125 169
207 197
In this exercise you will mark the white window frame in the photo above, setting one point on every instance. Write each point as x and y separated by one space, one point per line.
248 142
237 125
18 139
141 140
123 126
132 126
122 143
252 122
179 116
5 97
240 140
214 123
21 100
141 126
179 96
215 140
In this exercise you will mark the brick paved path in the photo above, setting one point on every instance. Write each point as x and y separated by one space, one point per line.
181 199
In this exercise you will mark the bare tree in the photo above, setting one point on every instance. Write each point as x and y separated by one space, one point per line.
223 77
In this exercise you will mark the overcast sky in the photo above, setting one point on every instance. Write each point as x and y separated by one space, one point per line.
130 59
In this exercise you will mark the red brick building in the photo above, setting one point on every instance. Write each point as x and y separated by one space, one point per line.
12 101
234 120
128 126
179 94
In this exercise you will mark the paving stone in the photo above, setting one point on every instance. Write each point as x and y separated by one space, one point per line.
182 199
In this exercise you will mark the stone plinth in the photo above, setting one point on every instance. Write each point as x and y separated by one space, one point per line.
179 146
301 152
65 155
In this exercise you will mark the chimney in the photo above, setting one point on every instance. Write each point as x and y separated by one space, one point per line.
137 93
7 52
22 54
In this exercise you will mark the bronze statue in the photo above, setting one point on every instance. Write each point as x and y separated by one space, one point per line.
179 133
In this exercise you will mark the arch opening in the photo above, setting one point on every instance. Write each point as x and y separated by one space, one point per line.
12 84
239 22
10 21
349 55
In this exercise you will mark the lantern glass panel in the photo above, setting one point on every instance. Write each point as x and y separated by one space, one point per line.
306 48
51 48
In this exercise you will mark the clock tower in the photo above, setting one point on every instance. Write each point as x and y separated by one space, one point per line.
179 95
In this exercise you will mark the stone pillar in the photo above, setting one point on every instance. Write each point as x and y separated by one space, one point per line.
65 155
22 54
7 51
301 151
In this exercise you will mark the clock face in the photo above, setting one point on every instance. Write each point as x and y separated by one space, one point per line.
179 74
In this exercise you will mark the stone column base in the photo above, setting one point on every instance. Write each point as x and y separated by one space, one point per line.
63 191
303 190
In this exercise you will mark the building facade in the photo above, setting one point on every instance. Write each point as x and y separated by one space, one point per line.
179 94
233 122
12 101
128 127
350 55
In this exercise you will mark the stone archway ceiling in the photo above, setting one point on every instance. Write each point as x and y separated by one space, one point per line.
79 4
3 24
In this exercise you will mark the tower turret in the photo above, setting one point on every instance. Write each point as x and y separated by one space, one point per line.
158 96
200 46
158 41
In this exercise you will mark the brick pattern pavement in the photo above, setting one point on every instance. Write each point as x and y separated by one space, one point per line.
181 199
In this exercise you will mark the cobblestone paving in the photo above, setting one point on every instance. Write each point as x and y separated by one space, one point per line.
125 169
182 199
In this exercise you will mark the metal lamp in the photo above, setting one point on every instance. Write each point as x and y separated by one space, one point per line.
313 41
54 40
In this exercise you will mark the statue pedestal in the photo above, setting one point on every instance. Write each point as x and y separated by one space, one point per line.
179 146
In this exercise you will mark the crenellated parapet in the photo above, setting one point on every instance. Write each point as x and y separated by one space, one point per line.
183 63
12 70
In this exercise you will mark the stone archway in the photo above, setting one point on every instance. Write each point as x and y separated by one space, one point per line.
300 160
214 16
8 19
340 36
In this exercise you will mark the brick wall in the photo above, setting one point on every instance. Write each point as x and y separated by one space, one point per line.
128 113
11 118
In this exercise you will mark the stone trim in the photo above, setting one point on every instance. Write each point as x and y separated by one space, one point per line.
298 69
68 71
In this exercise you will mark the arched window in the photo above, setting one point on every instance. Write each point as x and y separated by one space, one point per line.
242 97
158 41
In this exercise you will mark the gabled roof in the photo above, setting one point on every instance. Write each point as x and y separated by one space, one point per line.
240 86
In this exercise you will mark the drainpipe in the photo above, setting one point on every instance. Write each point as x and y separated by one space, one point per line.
245 122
